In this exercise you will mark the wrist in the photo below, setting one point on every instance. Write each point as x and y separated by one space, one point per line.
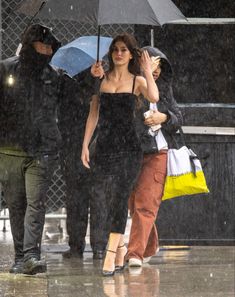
148 72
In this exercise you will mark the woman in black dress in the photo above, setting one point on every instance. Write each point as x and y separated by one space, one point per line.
118 154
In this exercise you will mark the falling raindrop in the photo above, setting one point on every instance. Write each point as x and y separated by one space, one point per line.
49 10
71 7
211 274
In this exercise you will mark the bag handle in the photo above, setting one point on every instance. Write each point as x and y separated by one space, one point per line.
181 139
182 136
191 157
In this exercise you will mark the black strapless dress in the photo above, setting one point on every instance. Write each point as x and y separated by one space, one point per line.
117 158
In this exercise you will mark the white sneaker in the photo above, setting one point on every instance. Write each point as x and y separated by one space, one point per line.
146 259
133 262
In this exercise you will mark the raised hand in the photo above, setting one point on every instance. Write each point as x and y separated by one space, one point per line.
146 62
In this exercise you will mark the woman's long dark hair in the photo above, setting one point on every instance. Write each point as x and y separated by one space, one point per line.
131 44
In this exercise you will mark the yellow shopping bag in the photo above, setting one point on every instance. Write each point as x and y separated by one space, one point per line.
184 174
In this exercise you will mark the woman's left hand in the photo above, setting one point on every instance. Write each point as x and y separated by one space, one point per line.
146 62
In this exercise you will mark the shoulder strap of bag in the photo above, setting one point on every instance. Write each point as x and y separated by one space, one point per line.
178 144
182 136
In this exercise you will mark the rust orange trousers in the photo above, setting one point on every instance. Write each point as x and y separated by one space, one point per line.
144 204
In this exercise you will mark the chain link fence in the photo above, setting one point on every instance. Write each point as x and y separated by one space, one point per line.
13 25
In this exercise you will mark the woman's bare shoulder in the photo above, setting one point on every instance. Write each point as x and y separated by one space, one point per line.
140 79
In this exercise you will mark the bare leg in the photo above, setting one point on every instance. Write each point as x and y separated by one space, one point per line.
114 242
121 253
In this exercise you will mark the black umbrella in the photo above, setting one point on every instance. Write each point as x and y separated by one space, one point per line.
103 12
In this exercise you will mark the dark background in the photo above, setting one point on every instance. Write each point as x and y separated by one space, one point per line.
203 56
206 8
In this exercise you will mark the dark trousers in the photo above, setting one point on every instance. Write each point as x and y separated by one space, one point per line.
25 183
82 202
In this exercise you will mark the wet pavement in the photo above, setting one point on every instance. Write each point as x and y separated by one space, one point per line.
196 271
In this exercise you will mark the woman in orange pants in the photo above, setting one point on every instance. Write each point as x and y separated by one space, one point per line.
157 135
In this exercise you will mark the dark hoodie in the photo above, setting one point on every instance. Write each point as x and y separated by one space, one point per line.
166 104
29 90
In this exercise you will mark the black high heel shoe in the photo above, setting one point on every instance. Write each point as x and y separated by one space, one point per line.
109 272
119 268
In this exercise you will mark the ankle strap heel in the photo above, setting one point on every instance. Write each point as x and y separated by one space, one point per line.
109 272
121 265
111 251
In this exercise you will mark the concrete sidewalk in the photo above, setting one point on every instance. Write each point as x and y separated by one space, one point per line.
173 272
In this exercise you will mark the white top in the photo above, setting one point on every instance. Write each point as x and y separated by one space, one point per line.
160 139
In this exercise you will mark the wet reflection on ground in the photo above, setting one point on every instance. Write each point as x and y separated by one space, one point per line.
192 272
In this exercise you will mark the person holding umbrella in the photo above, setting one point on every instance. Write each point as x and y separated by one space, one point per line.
145 200
72 115
118 155
76 58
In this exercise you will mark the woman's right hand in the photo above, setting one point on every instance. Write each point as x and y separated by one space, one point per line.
85 157
97 70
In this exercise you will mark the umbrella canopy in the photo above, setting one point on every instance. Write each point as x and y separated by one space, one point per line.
101 12
80 54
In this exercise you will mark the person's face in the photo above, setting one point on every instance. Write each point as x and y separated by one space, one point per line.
121 54
42 48
156 73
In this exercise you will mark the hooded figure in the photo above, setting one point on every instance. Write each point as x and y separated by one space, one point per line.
146 198
166 104
29 140
40 33
30 123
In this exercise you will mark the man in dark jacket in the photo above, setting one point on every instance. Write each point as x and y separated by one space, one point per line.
73 113
29 140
